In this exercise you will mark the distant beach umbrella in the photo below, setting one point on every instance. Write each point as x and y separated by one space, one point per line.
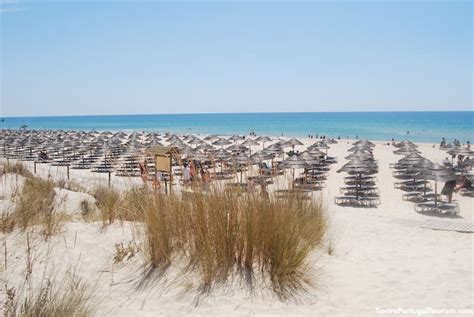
195 141
273 149
359 154
294 162
263 139
236 137
293 142
211 137
363 143
199 156
461 150
261 156
411 159
315 152
221 142
221 154
308 158
406 150
204 146
250 143
237 148
437 173
243 160
406 143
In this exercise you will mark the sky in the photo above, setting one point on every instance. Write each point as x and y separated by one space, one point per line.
109 57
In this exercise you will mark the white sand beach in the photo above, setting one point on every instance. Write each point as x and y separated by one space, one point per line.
388 257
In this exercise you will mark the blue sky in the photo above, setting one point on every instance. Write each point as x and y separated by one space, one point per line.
71 58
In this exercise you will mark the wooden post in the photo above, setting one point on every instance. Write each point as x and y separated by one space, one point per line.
109 178
166 186
171 173
67 172
34 167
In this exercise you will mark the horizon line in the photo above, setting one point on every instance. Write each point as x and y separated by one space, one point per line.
223 113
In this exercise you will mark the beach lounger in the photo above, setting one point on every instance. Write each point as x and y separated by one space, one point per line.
361 190
418 197
440 207
354 201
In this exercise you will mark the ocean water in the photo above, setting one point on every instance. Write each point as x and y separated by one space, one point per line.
383 126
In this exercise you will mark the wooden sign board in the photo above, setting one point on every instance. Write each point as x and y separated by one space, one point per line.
163 163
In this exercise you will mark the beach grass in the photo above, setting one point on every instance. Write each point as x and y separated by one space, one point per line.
67 297
34 205
220 234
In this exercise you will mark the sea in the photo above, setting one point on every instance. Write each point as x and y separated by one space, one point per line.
380 126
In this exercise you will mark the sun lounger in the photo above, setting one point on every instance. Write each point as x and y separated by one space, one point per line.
354 201
361 190
409 183
440 207
418 196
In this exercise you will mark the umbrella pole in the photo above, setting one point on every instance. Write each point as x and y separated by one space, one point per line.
293 180
436 192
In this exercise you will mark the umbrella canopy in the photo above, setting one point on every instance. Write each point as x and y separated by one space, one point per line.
294 162
363 143
221 142
273 149
211 137
237 148
359 154
406 143
406 151
262 156
460 150
293 142
243 159
221 154
199 156
250 142
315 152
263 139
437 172
308 158
236 137
195 141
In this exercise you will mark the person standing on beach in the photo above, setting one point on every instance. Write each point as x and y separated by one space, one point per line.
186 174
205 179
143 170
448 189
157 180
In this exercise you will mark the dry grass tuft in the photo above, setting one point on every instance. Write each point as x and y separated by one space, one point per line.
17 168
219 234
127 252
108 201
69 297
34 206
70 185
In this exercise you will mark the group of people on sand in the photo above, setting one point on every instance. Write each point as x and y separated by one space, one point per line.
456 142
144 174
453 186
190 174
322 137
